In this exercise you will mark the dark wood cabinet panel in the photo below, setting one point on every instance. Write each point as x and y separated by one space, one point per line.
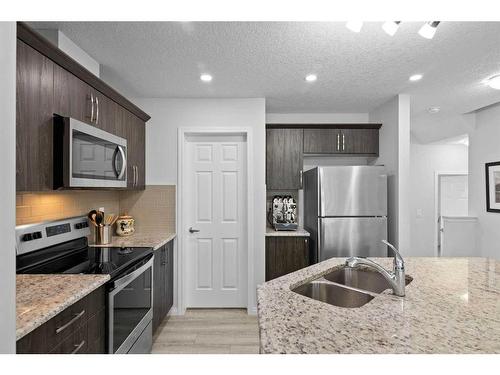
96 333
341 141
158 288
360 141
322 141
285 255
170 276
34 102
134 130
84 321
163 278
72 96
46 48
284 159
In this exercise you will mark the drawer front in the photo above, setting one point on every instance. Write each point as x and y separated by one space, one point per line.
74 344
54 332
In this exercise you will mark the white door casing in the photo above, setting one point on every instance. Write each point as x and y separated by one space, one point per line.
215 203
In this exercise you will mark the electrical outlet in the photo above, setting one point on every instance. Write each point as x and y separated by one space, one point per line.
419 213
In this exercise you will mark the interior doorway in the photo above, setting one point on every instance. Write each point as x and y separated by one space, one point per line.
452 200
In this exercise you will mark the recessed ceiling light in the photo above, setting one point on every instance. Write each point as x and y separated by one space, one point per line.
433 109
429 29
311 77
354 26
494 82
390 27
206 77
416 77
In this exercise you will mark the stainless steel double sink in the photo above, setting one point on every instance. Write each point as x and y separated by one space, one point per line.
346 287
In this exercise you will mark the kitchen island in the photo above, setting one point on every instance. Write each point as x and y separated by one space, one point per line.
452 305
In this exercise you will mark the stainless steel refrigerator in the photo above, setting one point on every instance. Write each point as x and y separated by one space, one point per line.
345 210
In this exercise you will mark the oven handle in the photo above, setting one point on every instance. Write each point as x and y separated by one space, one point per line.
124 164
125 280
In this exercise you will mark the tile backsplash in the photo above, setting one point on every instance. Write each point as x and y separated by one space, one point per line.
152 208
52 205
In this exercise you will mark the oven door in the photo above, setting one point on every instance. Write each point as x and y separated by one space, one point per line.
130 313
90 157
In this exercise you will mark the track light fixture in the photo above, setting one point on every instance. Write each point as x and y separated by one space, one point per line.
429 29
390 27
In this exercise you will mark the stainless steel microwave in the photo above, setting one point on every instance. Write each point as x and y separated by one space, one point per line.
87 157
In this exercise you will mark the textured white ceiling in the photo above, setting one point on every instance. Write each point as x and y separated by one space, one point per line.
356 72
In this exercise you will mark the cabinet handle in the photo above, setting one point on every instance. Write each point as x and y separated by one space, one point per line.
137 176
338 141
91 107
78 347
97 110
343 142
301 174
76 317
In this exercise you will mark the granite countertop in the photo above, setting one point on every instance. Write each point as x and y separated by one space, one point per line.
41 297
300 232
143 239
451 306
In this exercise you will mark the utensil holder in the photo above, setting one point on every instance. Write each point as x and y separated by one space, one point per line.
103 235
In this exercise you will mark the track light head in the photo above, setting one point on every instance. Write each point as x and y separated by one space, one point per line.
428 30
390 27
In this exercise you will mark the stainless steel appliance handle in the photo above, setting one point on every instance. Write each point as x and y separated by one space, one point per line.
120 283
78 347
338 141
75 318
124 164
97 112
343 142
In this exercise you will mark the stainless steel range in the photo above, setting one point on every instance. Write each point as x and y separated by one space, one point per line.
62 247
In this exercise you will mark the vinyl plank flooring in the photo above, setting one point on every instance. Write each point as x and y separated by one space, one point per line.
208 331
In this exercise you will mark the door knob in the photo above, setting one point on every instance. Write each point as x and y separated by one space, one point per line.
191 230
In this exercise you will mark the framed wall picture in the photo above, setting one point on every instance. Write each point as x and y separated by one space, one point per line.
493 187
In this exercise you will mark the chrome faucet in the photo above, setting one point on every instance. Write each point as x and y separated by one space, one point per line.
396 278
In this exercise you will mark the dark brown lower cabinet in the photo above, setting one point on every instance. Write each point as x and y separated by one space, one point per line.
285 255
78 329
163 283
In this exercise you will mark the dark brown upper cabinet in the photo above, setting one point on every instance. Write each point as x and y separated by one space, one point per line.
322 141
50 82
351 140
284 159
34 103
134 131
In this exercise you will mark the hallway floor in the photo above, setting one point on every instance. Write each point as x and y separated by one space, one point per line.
208 331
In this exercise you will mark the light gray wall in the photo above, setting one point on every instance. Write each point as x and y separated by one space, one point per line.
394 154
168 115
484 147
425 161
60 40
8 187
316 118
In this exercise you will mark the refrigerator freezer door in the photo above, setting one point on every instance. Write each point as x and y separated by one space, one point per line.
353 191
345 237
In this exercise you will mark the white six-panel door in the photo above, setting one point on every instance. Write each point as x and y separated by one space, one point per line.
215 201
